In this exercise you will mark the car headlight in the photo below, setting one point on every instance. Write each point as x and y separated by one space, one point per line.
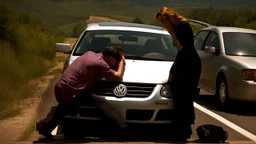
249 74
166 91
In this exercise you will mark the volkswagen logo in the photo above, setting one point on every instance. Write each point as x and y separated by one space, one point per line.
120 90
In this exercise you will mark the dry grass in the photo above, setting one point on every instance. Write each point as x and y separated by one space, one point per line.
19 122
44 82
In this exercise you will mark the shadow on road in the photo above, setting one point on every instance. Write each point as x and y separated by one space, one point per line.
114 139
145 134
236 107
101 140
109 134
137 134
93 140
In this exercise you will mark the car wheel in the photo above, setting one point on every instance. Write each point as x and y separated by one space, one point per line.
71 130
222 92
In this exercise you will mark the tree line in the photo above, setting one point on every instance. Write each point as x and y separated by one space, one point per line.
235 17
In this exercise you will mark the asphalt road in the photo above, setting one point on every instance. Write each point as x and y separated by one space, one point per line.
241 117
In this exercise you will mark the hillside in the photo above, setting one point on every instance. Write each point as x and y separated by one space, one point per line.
180 3
63 12
69 11
196 3
64 15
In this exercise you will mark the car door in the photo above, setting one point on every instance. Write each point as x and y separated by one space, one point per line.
199 41
210 60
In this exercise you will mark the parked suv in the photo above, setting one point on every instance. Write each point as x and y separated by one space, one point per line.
143 96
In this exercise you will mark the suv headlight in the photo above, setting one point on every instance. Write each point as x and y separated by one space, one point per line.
166 91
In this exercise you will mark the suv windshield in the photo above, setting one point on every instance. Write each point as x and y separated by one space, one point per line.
136 45
240 44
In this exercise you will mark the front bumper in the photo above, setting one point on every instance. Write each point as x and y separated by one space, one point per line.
153 109
244 91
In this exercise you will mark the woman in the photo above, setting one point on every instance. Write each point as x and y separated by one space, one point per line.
184 73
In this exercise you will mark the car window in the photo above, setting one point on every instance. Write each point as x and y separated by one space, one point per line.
133 43
199 39
164 44
141 40
240 44
213 40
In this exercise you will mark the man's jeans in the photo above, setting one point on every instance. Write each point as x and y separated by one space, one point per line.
58 113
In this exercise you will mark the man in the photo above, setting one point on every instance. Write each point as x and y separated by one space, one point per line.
78 78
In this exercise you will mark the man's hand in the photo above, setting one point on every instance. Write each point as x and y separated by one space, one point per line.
118 75
122 60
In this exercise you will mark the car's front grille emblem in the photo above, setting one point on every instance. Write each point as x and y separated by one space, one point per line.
120 90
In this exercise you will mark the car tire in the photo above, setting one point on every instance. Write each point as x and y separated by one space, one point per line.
222 95
73 136
71 130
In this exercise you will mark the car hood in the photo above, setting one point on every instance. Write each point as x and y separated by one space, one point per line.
144 71
249 62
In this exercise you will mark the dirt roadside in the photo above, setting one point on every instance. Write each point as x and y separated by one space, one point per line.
21 126
18 127
93 19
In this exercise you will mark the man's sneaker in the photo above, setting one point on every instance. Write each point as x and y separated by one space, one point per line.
44 129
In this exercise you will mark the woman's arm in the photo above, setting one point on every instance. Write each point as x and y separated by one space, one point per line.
170 78
176 41
187 36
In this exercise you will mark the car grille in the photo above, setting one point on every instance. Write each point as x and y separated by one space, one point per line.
137 90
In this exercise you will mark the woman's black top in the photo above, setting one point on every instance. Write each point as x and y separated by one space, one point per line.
187 66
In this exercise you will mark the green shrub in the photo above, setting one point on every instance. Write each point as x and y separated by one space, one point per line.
27 52
238 17
138 20
78 29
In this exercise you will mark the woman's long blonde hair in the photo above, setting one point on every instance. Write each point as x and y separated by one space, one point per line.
167 13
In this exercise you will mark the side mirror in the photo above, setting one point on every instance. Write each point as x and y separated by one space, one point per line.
62 47
210 49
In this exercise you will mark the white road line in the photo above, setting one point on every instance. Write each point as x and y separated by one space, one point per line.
54 132
226 122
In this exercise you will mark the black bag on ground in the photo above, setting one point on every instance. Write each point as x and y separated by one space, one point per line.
211 133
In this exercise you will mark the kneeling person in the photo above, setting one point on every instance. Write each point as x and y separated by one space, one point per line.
78 78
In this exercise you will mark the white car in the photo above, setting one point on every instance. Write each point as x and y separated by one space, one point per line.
143 96
228 56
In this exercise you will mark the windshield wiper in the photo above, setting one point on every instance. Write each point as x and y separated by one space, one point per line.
134 57
142 58
157 59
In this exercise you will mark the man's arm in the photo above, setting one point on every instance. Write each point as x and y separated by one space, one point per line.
118 75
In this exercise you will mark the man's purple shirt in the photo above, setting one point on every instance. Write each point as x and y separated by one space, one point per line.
83 72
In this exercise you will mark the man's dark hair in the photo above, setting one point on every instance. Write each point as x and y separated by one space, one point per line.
113 51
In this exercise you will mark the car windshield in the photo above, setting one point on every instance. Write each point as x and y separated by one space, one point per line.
240 44
135 45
